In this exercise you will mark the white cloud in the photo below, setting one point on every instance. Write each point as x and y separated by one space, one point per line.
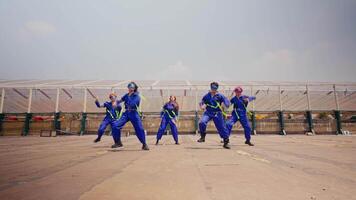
39 28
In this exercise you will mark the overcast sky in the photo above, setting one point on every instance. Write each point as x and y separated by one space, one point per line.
278 40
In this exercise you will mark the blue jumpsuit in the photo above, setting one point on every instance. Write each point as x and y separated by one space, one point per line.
169 115
112 114
239 113
214 112
132 103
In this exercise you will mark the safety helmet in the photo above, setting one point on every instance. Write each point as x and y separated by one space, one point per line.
214 86
238 89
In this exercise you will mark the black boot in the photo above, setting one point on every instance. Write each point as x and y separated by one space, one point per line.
145 147
157 141
226 144
97 140
202 137
249 143
116 145
120 143
177 143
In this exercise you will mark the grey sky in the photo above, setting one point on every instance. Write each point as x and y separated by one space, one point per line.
200 40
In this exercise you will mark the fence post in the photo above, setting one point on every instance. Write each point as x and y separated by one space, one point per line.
57 123
83 123
26 128
253 122
310 121
281 123
2 117
338 121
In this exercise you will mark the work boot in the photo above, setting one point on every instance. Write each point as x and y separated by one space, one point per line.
97 140
249 143
226 144
157 141
145 147
202 137
116 145
120 143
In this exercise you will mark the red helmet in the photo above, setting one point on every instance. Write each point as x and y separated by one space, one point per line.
238 89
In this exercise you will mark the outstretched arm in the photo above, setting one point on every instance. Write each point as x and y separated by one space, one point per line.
226 101
97 103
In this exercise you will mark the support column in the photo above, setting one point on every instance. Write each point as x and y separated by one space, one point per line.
57 122
84 114
2 100
28 117
281 123
310 121
83 123
26 128
2 115
280 113
57 101
337 113
253 123
253 116
29 101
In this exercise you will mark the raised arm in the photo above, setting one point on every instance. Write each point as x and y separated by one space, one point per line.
225 101
97 103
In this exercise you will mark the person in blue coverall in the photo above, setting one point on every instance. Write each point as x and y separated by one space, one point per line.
212 103
169 116
132 103
239 113
113 112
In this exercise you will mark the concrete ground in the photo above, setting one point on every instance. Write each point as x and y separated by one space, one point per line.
278 167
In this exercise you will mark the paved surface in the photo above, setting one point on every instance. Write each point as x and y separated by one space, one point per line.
278 167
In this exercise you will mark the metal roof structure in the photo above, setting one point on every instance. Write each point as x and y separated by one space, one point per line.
41 96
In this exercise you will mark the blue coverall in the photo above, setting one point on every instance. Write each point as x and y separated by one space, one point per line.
214 112
132 103
112 114
239 113
169 116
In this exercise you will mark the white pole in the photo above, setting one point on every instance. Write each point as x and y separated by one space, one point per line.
196 99
253 102
336 98
280 98
29 101
57 101
308 98
2 100
85 101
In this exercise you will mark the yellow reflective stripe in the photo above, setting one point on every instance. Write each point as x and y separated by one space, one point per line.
110 114
218 106
143 97
138 109
170 114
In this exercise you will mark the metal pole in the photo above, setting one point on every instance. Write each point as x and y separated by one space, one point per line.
85 101
336 98
308 98
280 98
57 101
253 102
2 100
196 99
29 101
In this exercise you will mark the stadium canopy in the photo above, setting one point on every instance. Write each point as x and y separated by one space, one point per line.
45 96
